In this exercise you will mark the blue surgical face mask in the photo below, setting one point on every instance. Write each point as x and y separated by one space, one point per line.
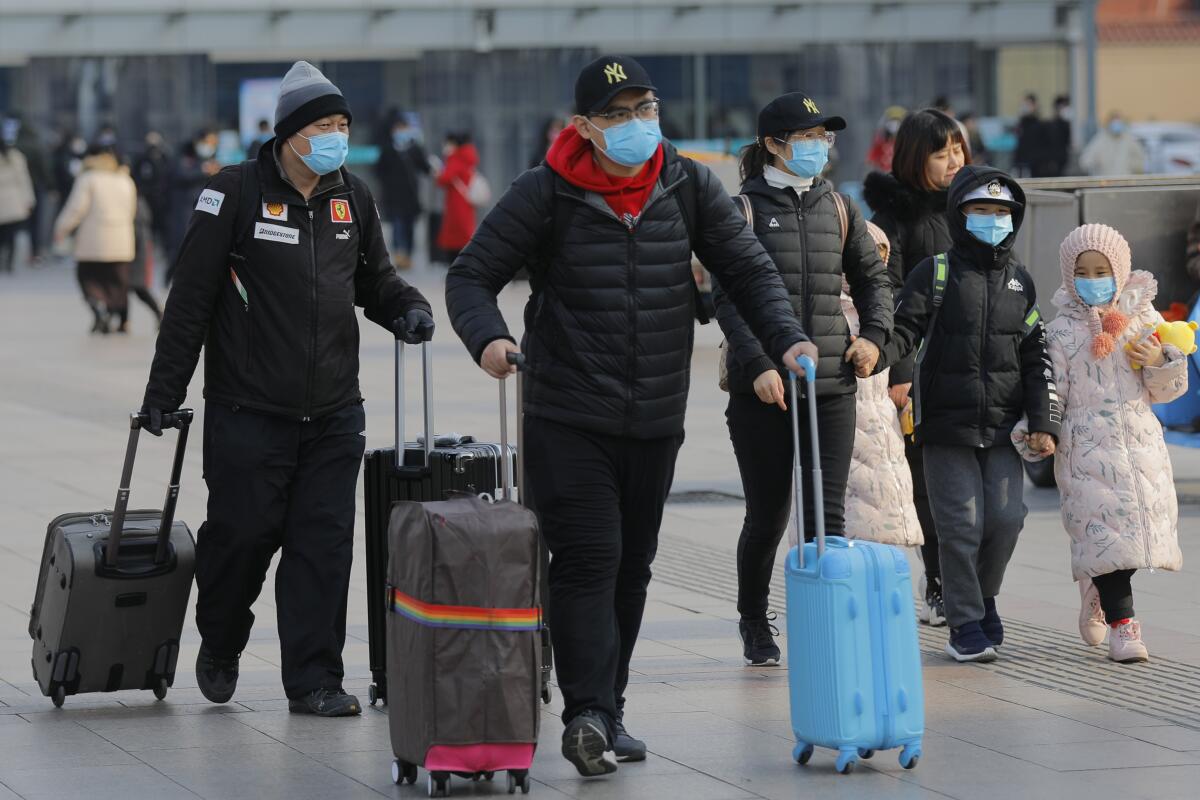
1116 127
632 143
1096 291
329 151
991 229
400 139
809 157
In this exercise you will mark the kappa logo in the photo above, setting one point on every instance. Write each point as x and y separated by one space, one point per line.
1016 286
811 106
276 211
774 223
614 72
344 235
339 211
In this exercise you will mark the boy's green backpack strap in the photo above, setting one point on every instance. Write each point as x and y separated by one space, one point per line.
941 269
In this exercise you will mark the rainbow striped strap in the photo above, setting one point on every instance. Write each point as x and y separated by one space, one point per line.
464 617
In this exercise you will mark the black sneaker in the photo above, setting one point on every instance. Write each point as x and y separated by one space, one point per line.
625 746
933 609
326 703
758 641
992 627
216 676
585 744
969 643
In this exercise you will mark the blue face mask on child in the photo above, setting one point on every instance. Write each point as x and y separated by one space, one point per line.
991 229
809 157
1096 291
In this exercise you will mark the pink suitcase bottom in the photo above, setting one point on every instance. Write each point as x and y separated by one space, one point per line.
478 757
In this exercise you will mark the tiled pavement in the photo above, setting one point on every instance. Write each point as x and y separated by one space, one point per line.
1052 719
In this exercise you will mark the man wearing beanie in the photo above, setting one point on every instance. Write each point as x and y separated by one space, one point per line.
277 254
611 221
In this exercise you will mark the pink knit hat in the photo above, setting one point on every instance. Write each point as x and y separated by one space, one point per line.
1106 322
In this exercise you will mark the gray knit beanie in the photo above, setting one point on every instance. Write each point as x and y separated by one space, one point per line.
306 96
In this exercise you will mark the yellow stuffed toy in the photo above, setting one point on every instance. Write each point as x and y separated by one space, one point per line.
1180 334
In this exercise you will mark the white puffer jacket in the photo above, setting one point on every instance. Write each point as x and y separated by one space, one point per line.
1112 465
101 211
879 494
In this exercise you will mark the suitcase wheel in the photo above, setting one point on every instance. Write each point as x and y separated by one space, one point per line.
59 697
160 689
910 755
846 761
865 754
376 696
518 778
439 784
403 772
547 696
802 752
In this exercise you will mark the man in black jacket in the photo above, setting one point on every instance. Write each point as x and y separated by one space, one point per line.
277 254
615 215
981 365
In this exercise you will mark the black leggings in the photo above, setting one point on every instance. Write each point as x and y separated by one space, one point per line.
1116 594
762 442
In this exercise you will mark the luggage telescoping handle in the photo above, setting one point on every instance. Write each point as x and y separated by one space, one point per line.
506 477
810 376
426 401
181 419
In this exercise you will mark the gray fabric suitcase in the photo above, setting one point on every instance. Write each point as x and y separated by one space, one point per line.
464 660
113 590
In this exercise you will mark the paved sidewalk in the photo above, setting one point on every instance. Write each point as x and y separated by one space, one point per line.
1052 719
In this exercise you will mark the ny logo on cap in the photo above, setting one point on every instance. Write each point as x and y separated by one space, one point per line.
995 189
811 106
614 72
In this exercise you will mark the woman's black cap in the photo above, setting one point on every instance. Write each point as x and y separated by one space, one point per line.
794 112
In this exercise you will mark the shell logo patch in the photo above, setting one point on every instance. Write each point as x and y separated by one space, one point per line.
277 211
339 211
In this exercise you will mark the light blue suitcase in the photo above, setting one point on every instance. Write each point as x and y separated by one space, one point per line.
854 665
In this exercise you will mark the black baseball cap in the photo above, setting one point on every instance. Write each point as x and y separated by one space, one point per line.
606 77
794 111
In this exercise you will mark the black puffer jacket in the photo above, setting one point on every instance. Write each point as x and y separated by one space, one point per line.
276 317
609 331
985 363
917 228
804 238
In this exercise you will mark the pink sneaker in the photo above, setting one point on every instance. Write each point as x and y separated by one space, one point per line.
1125 645
1092 626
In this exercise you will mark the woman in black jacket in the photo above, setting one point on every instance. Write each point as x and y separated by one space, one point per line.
910 207
813 237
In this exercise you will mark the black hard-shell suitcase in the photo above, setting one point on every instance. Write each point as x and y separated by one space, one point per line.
113 590
431 470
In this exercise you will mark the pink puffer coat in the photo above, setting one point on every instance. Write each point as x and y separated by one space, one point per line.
1112 466
879 494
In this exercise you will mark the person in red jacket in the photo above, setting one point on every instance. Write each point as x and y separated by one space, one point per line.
458 219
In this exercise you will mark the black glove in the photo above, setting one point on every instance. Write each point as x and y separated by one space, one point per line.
153 420
414 327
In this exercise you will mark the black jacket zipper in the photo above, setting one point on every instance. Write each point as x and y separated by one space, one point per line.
312 327
983 371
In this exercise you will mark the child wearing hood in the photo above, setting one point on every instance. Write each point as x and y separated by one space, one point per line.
1113 470
971 316
879 492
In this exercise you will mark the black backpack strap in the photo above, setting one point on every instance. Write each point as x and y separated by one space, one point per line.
687 197
941 272
247 203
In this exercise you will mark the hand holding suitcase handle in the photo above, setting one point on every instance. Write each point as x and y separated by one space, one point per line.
810 376
181 419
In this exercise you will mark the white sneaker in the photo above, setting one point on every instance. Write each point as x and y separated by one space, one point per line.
1125 644
933 610
1092 626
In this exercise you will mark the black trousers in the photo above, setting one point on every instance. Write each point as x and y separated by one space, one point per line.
600 503
762 442
275 483
929 550
1116 594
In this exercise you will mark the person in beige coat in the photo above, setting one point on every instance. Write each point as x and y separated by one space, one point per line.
1113 469
100 212
879 493
16 200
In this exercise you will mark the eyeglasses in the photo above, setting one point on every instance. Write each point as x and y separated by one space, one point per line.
809 136
646 112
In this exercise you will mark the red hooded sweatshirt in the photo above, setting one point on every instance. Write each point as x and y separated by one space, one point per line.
571 156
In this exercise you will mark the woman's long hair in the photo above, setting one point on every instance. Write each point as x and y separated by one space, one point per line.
921 134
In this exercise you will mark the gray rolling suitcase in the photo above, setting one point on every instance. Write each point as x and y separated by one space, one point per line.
113 590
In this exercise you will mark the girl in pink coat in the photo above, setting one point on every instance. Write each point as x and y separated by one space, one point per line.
1112 466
